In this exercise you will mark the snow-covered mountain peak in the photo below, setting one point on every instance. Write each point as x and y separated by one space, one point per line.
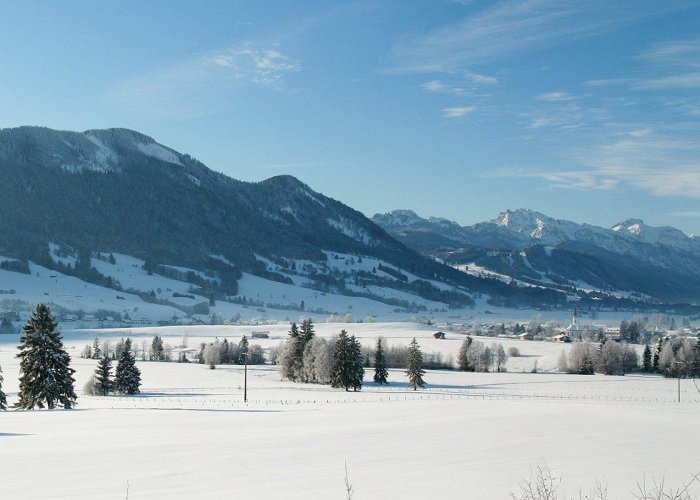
519 218
665 235
525 222
398 219
632 226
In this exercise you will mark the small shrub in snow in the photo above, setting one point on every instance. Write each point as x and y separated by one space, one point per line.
544 484
212 355
513 352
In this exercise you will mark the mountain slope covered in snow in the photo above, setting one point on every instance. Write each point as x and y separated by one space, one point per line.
660 263
69 197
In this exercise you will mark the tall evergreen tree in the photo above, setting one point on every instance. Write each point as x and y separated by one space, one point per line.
103 373
414 365
357 370
157 349
243 344
346 366
96 351
293 330
463 357
339 377
646 358
3 398
127 378
696 359
307 330
296 351
118 350
380 371
655 359
46 378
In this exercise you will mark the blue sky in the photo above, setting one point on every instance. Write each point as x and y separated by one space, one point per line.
588 111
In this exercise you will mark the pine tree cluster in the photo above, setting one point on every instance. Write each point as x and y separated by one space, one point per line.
307 358
304 357
347 371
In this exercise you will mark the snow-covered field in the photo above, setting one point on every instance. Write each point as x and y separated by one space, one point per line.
467 435
274 301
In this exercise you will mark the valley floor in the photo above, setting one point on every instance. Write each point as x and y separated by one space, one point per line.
467 435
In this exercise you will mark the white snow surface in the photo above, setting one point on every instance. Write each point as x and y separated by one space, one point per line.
466 435
159 152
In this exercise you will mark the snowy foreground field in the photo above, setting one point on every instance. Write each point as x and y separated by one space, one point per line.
467 435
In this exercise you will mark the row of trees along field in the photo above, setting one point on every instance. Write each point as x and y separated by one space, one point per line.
671 357
340 361
212 354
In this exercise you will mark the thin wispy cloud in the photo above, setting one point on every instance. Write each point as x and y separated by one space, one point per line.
684 81
201 85
457 112
659 165
608 82
674 53
578 180
442 87
480 79
263 66
641 159
559 111
509 29
556 97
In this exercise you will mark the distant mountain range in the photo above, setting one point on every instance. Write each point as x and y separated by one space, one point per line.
69 198
631 258
117 190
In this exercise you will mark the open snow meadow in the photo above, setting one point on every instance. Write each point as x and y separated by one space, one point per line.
466 435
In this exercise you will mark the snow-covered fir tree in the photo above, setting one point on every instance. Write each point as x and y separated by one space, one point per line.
46 378
157 352
646 358
243 346
307 330
358 371
127 378
290 365
655 358
3 397
103 376
96 351
414 365
346 368
296 351
463 358
118 349
380 371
